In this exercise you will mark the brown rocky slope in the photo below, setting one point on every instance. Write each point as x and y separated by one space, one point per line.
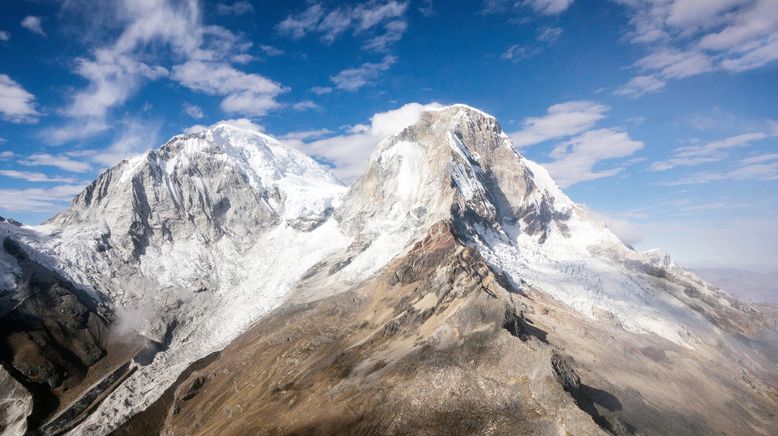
435 344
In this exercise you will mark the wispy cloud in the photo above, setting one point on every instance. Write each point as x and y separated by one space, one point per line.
136 137
305 105
117 70
244 93
760 158
349 152
16 104
549 7
549 34
39 199
33 24
361 20
546 37
62 161
578 158
641 85
269 50
542 7
516 53
322 90
575 160
4 35
711 152
305 135
561 120
35 177
237 8
685 38
766 170
193 111
352 79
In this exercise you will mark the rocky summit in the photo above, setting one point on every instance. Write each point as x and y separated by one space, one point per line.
226 283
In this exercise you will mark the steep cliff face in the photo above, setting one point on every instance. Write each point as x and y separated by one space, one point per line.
55 342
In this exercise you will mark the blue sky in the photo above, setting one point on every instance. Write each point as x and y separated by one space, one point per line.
659 115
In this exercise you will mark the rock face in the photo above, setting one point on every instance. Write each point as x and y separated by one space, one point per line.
55 341
453 288
15 405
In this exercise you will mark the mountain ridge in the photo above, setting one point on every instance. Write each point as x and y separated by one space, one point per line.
193 243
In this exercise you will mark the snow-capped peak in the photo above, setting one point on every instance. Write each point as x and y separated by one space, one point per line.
456 164
201 236
454 160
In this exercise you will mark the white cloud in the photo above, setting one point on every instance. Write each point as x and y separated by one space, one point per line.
365 19
33 24
193 111
426 8
238 8
154 31
517 53
113 78
641 85
305 135
269 50
394 32
245 93
305 105
546 37
353 79
116 70
38 199
61 161
136 137
549 7
711 152
685 38
561 120
676 64
575 160
349 153
542 7
35 177
243 123
760 158
765 170
4 35
195 128
322 90
731 142
16 104
549 34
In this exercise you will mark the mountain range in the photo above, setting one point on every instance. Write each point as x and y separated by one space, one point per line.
225 283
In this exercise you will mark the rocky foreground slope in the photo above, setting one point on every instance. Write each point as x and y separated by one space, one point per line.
453 288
